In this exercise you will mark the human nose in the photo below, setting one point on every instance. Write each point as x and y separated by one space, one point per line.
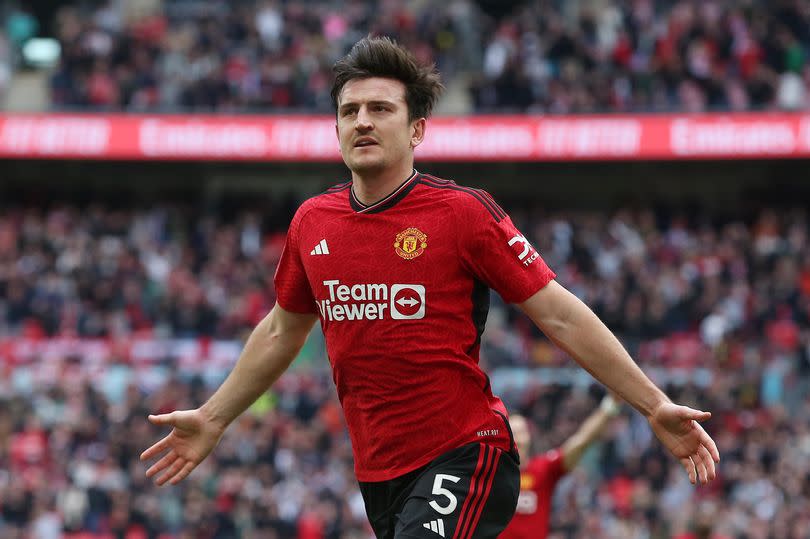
363 121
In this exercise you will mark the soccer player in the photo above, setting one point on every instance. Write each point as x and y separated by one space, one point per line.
539 475
397 266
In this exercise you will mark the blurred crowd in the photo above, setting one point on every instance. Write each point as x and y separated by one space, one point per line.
230 56
536 56
177 271
726 298
682 289
165 272
71 466
647 55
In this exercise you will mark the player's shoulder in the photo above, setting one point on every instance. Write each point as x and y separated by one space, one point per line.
336 192
462 198
331 197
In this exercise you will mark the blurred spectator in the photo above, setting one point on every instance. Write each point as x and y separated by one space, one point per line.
20 24
5 66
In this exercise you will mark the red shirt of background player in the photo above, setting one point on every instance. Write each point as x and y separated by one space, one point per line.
537 482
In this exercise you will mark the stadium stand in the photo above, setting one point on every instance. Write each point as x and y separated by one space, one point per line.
540 57
730 298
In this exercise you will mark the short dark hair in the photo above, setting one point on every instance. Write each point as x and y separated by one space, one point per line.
384 57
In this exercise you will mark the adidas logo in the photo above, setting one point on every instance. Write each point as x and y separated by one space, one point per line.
320 249
436 526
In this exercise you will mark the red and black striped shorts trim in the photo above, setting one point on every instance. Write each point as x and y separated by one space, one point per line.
478 493
467 493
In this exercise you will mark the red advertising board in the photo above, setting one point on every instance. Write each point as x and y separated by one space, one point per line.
472 139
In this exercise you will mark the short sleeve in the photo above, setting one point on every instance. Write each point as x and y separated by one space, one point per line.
293 291
497 253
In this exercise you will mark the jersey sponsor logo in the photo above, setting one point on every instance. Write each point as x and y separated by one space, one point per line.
410 243
407 301
527 253
488 432
526 481
371 301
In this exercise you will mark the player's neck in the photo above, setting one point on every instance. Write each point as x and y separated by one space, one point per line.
372 188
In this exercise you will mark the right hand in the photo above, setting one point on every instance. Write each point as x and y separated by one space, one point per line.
193 437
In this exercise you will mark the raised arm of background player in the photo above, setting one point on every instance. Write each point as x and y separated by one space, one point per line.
575 446
270 349
593 427
572 326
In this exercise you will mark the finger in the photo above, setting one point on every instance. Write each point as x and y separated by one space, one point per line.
700 470
707 442
689 413
162 464
183 473
162 419
176 466
157 448
689 466
708 463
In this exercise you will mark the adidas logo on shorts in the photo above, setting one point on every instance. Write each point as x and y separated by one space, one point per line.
435 526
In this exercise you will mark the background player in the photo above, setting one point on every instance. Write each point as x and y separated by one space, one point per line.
539 475
423 421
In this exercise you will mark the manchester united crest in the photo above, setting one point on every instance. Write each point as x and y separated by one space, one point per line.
410 243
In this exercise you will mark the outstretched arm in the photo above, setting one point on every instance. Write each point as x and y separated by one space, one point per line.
572 326
575 446
270 349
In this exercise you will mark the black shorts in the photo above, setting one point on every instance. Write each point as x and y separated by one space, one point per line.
468 493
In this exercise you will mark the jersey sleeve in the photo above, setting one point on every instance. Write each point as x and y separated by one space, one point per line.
293 291
496 252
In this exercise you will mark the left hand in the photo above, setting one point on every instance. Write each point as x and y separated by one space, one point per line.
678 429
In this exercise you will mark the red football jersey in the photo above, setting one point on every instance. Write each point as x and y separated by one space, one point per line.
537 482
401 288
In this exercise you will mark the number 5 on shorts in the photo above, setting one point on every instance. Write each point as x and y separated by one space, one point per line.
438 490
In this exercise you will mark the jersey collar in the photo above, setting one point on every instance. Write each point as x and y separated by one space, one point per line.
385 203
